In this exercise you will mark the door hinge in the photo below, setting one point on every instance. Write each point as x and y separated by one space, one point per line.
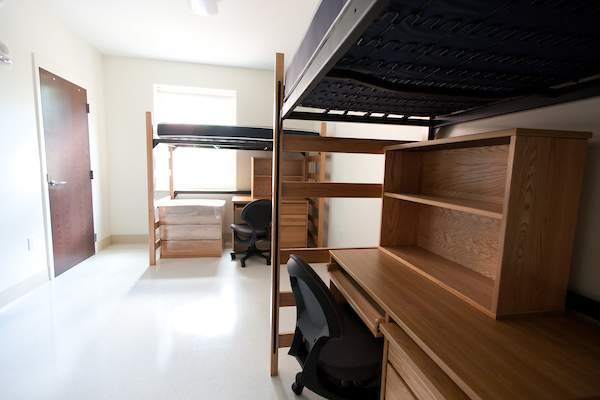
95 238
87 107
91 174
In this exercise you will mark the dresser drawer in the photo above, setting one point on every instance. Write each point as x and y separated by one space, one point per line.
293 220
293 237
190 248
420 373
294 209
190 215
190 232
395 388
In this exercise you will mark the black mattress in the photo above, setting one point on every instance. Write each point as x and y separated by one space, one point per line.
218 136
446 60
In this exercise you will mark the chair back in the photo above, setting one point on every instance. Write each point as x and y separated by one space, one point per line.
318 314
257 214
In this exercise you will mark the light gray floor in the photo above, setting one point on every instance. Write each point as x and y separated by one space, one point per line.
115 328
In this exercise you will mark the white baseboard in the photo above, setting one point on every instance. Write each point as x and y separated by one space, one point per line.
128 239
103 244
19 290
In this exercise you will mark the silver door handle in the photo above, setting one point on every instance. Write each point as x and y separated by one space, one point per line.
56 183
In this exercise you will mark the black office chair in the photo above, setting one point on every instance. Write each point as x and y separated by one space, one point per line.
257 226
339 356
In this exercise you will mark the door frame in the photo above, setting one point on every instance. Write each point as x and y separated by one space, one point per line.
41 62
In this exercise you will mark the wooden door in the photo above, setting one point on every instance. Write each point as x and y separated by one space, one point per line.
64 111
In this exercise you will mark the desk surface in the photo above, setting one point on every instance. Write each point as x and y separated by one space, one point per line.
544 357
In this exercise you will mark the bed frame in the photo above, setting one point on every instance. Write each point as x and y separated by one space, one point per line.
201 136
315 168
422 63
440 63
317 189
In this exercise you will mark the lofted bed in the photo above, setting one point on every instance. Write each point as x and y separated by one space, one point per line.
192 228
219 136
474 246
436 63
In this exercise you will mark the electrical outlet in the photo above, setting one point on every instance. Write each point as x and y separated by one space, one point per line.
30 243
340 234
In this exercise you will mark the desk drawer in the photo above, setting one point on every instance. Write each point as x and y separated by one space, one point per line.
395 388
190 248
190 232
420 373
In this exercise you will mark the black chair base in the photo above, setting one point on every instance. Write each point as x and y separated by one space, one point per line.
252 251
297 386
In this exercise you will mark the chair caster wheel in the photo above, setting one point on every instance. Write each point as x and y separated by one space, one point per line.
243 264
297 389
268 262
232 256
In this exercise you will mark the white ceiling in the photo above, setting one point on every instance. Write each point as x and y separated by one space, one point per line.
245 33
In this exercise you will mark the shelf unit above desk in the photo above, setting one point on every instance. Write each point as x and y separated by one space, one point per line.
489 217
292 169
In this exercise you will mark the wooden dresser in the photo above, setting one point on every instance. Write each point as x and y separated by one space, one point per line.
294 221
191 227
469 282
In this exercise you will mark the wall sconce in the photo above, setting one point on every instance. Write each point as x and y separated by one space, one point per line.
4 51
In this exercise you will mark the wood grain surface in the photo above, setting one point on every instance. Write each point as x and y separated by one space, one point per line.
190 248
540 224
544 357
468 239
67 154
395 387
306 143
318 189
423 377
468 285
476 173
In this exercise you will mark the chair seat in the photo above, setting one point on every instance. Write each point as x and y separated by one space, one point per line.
246 230
357 355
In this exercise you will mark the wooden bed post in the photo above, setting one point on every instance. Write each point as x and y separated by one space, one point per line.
150 172
275 254
171 185
321 223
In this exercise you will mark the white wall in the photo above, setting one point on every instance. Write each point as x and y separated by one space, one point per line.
35 39
582 115
357 222
129 94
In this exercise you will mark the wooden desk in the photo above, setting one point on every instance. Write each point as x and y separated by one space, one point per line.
438 346
294 221
191 227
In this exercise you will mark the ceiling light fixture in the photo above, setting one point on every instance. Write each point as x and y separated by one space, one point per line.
203 7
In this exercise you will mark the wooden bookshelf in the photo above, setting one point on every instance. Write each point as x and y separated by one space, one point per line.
292 169
488 209
469 285
489 217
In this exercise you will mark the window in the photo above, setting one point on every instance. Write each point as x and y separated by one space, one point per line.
194 168
203 169
191 105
